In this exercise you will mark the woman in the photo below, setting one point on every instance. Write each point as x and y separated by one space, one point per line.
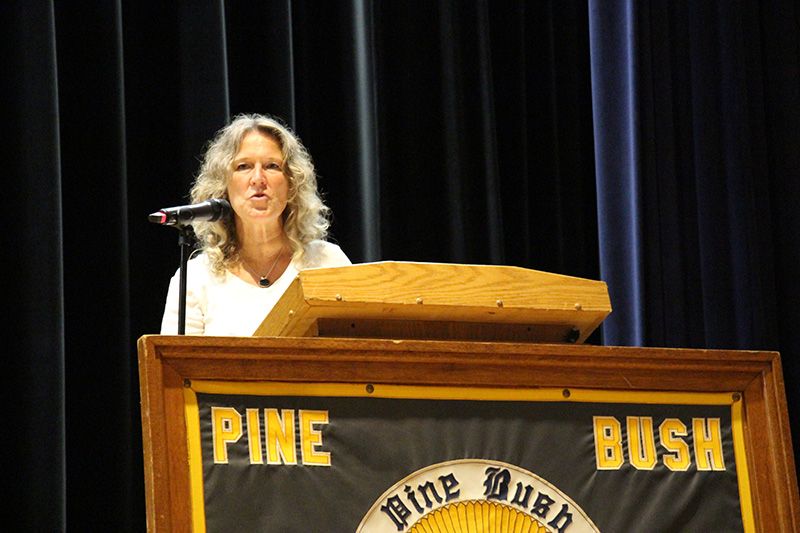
277 228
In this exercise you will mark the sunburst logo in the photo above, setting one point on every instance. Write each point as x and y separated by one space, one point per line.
475 495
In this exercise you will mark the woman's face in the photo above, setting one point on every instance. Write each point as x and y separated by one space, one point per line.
258 189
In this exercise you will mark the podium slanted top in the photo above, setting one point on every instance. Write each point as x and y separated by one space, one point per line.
405 300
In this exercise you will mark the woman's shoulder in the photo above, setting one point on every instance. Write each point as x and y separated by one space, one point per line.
324 254
199 261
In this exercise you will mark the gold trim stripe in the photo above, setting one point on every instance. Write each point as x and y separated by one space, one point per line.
195 460
459 393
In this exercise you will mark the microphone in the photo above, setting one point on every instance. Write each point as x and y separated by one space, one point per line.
208 211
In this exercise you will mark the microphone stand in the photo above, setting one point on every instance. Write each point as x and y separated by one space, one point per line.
185 242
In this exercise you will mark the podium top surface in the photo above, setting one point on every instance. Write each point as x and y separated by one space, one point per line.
435 300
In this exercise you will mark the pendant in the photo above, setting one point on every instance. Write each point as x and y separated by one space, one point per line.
263 282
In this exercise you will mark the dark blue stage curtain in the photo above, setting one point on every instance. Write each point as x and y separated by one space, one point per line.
697 142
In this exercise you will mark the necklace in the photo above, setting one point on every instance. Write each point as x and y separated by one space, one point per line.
263 280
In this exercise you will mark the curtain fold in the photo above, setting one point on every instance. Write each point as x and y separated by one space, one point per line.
33 289
368 168
95 226
615 101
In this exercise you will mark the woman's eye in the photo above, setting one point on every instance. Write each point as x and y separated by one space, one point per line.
273 166
242 166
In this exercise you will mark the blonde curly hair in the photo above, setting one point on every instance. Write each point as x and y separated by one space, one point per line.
306 216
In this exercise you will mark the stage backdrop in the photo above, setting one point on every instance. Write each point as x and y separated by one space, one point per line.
443 131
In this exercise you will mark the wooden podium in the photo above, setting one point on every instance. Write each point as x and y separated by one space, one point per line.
497 330
393 300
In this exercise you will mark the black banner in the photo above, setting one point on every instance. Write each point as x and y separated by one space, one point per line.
336 461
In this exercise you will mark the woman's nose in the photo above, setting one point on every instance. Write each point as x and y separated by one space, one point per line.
259 174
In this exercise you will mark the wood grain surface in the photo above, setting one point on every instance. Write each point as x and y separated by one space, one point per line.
435 292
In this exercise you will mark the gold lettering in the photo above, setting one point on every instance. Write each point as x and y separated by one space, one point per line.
226 428
708 444
641 444
254 437
607 443
312 438
670 431
280 437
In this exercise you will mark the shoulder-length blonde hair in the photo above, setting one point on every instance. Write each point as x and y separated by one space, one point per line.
306 216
